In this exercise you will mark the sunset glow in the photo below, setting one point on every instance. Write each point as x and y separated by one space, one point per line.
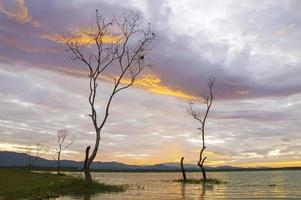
84 39
252 48
153 84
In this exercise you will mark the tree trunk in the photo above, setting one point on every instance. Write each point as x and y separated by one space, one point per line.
200 164
89 159
29 162
58 162
202 160
203 172
88 176
87 170
183 170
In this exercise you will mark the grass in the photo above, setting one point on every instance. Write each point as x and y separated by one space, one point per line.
199 181
23 184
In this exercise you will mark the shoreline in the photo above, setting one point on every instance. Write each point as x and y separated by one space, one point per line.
155 171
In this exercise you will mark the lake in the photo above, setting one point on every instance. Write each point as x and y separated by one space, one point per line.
280 184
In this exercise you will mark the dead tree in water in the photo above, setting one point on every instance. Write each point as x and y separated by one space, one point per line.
197 115
183 169
116 52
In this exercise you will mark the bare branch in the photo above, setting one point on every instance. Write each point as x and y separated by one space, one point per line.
62 134
201 118
38 151
128 54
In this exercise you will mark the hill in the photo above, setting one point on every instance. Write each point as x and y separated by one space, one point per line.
13 159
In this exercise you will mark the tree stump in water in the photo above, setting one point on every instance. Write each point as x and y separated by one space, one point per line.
183 169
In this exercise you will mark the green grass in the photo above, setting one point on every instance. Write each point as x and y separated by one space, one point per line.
199 181
22 184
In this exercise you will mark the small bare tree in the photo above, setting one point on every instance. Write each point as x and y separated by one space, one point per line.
29 150
33 153
61 137
124 58
201 118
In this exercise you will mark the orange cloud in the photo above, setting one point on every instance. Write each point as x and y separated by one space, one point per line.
84 39
19 12
153 84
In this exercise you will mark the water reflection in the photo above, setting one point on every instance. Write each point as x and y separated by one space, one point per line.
87 197
183 190
190 190
203 191
241 185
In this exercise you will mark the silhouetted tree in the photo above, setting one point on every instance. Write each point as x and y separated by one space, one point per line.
201 118
61 136
33 153
28 149
125 55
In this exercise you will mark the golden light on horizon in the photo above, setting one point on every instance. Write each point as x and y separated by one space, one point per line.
170 153
42 90
272 164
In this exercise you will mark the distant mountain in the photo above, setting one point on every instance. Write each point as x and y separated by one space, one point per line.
177 165
13 159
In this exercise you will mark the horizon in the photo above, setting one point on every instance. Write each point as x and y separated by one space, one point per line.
164 163
250 47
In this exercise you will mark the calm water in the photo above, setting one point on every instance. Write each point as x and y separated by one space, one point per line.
241 185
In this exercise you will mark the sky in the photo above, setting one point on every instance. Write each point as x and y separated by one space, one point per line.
253 49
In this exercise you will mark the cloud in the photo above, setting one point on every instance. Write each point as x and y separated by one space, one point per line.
252 48
237 57
35 104
17 11
83 39
153 84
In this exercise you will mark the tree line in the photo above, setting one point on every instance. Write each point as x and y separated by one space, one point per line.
34 152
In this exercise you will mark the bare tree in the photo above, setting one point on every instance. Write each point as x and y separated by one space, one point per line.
33 153
125 58
201 118
61 137
29 150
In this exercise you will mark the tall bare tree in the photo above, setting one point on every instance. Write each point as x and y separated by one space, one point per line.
61 137
201 117
125 58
